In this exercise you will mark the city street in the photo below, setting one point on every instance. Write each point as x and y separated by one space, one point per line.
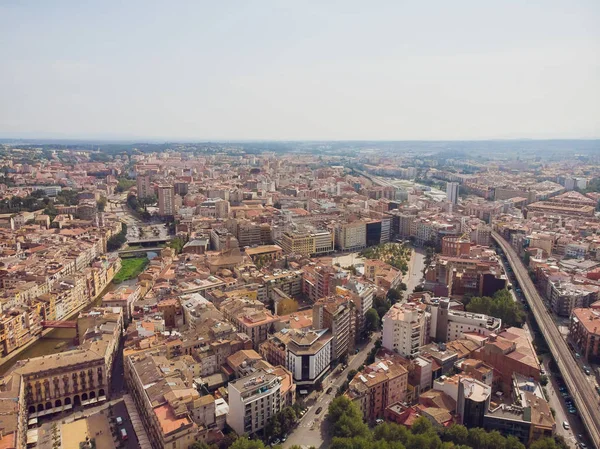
415 271
312 430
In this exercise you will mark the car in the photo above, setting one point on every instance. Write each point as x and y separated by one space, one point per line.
582 445
319 410
580 436
119 420
542 372
329 390
378 421
587 371
597 389
124 435
577 355
573 411
566 425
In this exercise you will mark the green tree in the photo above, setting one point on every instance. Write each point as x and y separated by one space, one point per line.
347 419
544 443
391 432
382 305
245 443
372 320
500 306
394 295
421 425
177 244
456 434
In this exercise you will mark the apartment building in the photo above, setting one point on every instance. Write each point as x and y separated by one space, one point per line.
351 236
362 295
448 324
250 317
253 400
338 314
472 398
166 200
294 242
565 296
144 186
452 192
379 385
382 274
406 329
584 332
171 409
509 352
214 208
308 355
80 377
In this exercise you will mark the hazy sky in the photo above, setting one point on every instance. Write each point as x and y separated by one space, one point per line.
300 69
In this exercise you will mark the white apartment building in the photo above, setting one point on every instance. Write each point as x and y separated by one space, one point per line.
452 192
253 400
405 329
308 355
362 295
449 325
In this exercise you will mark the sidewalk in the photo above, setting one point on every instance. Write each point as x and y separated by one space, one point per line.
136 422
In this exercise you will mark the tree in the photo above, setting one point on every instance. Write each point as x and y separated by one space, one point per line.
394 295
101 203
382 305
391 432
421 425
372 320
245 443
352 373
177 244
116 241
501 305
456 434
544 443
346 418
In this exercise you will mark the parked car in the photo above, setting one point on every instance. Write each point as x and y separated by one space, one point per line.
119 420
329 390
566 425
318 410
124 434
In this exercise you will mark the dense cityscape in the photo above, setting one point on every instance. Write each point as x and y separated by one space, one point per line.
300 295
